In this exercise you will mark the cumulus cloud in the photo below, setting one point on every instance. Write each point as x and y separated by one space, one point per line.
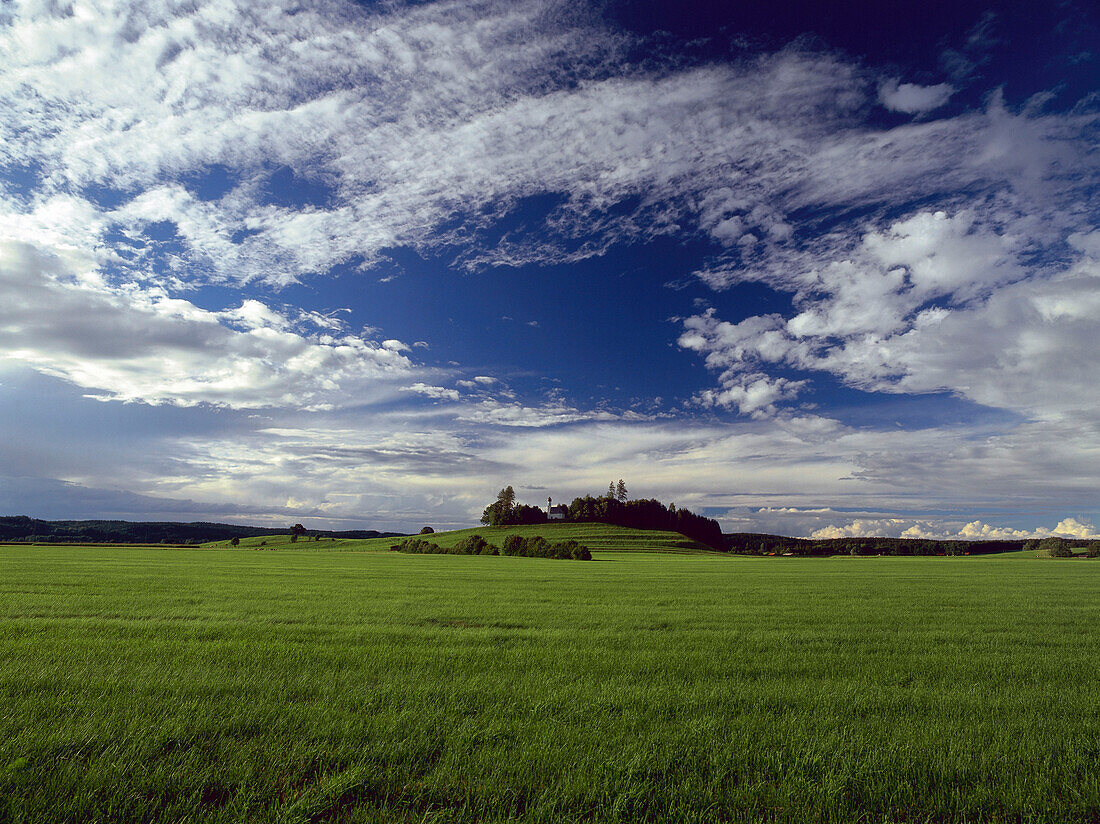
934 302
944 529
136 343
911 98
755 395
1073 528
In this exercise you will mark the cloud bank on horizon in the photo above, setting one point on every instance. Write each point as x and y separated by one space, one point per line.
365 264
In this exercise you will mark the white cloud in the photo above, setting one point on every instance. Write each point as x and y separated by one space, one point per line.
945 529
136 343
753 394
406 119
436 392
410 115
1073 528
932 303
912 98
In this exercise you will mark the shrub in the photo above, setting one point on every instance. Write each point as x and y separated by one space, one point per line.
416 546
537 547
427 531
474 545
570 550
1093 549
235 542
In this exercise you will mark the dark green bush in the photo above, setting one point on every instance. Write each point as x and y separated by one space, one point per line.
570 550
474 545
535 547
539 547
416 546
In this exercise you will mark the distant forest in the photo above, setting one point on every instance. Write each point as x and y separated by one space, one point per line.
750 543
21 529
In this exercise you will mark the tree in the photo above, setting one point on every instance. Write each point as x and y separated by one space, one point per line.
503 511
297 529
427 531
620 492
524 514
235 542
1056 547
611 491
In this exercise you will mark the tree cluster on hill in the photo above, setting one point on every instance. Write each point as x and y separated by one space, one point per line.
504 511
536 547
22 529
1057 547
647 513
613 508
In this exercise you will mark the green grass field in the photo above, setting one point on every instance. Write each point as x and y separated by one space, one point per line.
303 685
598 537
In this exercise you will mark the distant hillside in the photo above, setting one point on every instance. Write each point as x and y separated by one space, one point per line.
750 543
32 530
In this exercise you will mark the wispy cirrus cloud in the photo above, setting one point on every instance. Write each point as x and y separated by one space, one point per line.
151 149
405 118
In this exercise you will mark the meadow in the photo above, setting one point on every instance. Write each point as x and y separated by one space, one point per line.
306 684
597 537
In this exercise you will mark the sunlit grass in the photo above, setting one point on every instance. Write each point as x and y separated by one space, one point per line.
595 536
145 684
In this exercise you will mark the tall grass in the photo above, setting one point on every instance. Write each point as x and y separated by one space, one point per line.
172 685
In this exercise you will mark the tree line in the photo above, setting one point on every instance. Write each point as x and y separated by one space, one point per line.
23 529
615 508
533 547
749 543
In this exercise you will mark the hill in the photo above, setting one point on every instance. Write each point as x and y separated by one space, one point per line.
21 528
597 537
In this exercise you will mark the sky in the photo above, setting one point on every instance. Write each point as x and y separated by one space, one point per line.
818 269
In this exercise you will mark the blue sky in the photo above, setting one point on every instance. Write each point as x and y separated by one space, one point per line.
818 269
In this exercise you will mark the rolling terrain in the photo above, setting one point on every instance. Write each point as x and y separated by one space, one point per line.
597 537
311 685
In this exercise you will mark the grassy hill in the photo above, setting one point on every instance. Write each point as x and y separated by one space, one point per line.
597 537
